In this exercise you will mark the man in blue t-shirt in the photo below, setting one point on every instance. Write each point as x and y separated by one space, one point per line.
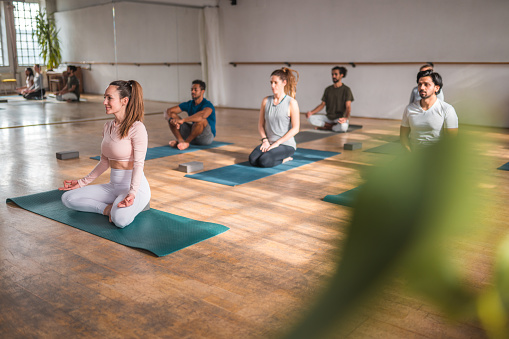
199 127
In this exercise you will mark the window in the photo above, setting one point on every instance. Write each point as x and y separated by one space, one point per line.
3 38
2 26
24 22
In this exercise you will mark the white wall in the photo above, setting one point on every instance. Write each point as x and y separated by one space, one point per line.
66 5
310 31
372 31
144 33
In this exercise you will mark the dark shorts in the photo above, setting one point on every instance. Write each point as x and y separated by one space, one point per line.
205 138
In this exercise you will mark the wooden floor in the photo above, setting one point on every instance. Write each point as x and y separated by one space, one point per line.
250 282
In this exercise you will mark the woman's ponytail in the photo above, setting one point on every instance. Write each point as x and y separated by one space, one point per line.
287 74
135 109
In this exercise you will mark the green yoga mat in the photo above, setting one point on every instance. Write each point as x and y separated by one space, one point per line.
345 199
504 167
390 148
156 231
166 151
242 173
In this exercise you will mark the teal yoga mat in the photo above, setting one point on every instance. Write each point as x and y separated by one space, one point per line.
390 148
156 231
345 199
242 173
166 151
504 167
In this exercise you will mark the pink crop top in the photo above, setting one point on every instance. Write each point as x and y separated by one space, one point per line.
131 148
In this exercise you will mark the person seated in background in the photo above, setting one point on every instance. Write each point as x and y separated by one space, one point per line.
199 127
71 91
426 121
337 100
36 91
29 81
415 92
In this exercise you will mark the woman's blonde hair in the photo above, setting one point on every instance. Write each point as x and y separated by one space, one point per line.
135 109
287 74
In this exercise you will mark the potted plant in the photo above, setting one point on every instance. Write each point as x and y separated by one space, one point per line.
47 37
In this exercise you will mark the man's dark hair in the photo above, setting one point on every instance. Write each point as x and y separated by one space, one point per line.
426 65
435 77
73 68
201 83
341 70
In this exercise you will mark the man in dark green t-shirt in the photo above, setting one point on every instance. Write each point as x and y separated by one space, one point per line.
337 100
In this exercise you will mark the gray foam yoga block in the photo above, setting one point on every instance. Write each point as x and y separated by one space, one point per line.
352 146
68 155
192 166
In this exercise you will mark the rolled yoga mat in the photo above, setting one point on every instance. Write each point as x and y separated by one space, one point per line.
242 173
166 151
504 167
156 231
345 199
390 148
311 135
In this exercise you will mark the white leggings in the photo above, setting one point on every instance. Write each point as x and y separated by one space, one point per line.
95 198
320 120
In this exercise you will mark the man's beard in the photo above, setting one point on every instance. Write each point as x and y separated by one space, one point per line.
425 96
334 80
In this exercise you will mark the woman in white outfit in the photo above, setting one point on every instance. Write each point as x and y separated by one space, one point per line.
123 148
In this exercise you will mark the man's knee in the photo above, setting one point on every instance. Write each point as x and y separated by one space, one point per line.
316 121
340 127
200 125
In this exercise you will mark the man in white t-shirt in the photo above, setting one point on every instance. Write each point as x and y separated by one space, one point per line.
414 96
426 120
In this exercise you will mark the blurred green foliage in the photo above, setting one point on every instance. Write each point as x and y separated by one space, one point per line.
408 218
47 36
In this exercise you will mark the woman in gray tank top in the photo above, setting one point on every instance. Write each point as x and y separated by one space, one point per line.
279 121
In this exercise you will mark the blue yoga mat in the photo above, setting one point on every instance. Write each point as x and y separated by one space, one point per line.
390 148
345 199
242 173
166 151
504 167
156 231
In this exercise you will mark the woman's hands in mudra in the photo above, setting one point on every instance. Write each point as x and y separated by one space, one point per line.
128 201
69 185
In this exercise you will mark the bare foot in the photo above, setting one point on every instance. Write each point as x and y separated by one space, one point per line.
173 143
182 145
107 211
287 159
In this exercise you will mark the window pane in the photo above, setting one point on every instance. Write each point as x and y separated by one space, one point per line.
24 23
